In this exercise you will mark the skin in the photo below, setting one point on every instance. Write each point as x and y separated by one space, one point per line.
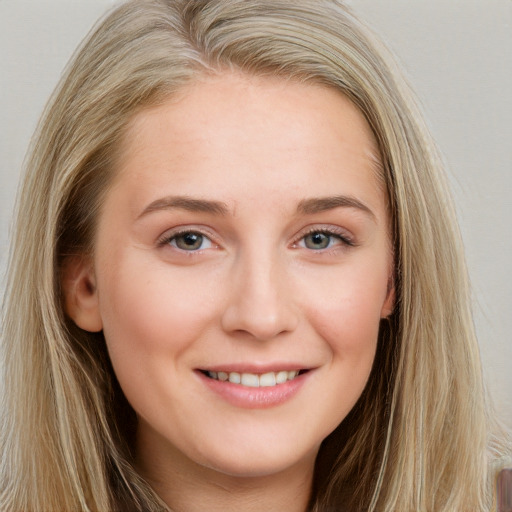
260 290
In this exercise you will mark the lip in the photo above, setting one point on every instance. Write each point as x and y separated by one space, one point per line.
255 367
254 398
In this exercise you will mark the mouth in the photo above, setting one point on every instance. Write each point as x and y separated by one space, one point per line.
255 380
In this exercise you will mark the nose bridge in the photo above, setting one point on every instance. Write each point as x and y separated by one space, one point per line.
261 302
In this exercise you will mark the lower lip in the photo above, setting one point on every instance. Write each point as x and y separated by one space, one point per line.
255 398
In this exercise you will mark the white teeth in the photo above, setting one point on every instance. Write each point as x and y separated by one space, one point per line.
251 380
281 377
254 380
268 379
234 378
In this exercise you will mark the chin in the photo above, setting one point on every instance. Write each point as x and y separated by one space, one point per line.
263 463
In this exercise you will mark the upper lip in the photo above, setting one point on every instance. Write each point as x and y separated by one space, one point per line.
255 368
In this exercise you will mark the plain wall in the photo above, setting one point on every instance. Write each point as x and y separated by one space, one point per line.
458 56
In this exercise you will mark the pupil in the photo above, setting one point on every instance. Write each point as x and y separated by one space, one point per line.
317 241
189 241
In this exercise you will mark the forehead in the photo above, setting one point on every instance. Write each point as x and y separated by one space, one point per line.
212 100
225 127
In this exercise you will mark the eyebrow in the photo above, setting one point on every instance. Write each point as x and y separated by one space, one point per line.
186 203
322 204
305 207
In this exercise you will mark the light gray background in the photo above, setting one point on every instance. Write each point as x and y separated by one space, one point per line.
458 56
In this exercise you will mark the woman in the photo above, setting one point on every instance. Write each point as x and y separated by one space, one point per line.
240 277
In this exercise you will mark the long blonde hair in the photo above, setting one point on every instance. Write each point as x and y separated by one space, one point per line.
418 439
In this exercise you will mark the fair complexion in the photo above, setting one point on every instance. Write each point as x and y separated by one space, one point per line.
245 237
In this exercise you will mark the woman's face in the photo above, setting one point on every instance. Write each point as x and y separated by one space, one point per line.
242 266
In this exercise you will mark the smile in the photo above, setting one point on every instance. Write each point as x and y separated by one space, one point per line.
254 380
255 389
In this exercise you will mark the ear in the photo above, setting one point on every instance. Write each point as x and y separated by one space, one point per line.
389 303
80 293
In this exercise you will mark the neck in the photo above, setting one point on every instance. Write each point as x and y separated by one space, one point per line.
186 486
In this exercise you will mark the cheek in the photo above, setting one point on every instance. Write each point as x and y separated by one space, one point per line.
346 313
151 312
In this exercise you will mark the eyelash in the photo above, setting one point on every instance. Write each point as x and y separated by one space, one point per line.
340 235
168 238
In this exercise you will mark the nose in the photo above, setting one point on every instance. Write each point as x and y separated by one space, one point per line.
260 300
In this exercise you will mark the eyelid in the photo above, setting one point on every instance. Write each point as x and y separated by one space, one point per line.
167 236
345 237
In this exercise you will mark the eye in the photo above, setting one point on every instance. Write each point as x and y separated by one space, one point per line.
189 241
322 239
